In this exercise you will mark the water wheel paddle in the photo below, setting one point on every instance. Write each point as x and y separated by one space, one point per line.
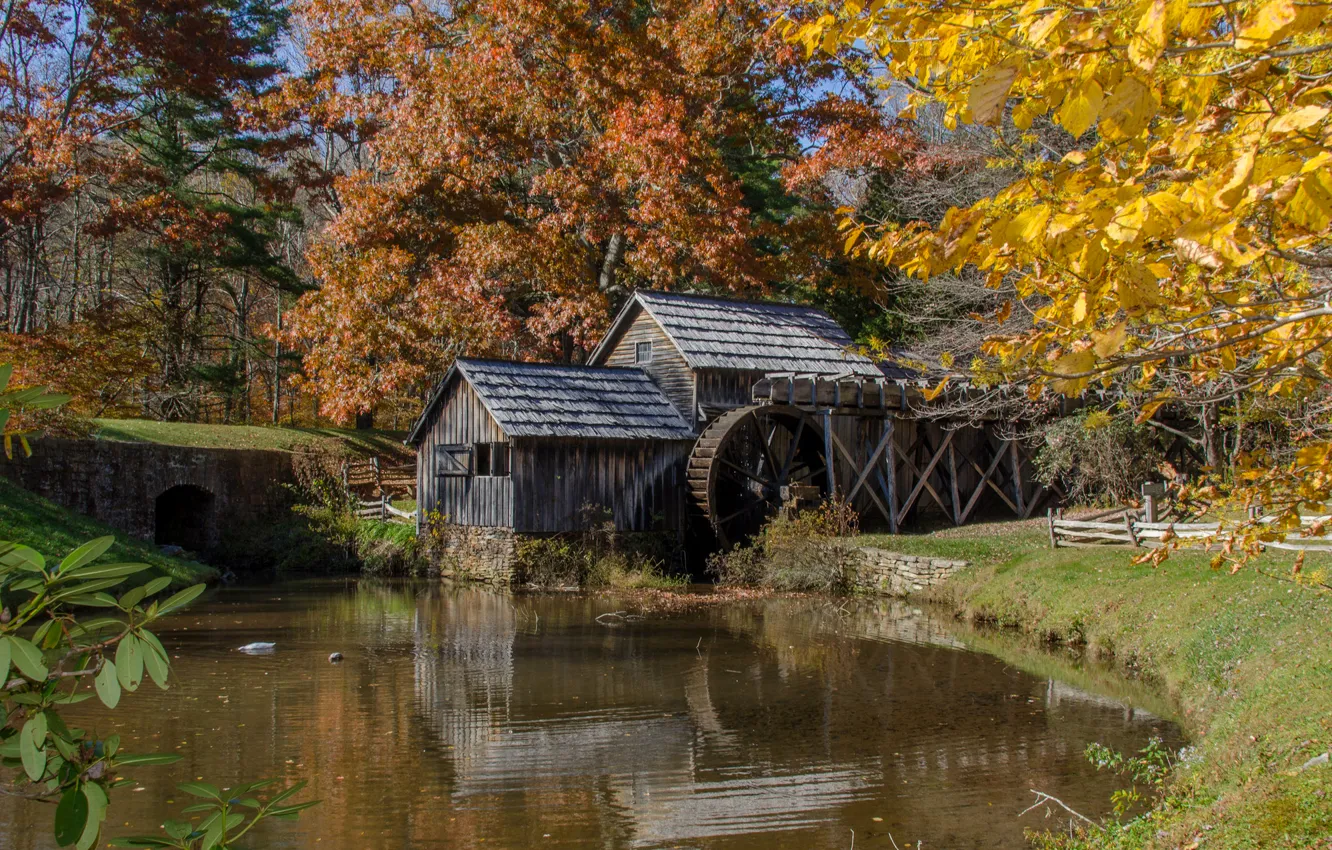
750 461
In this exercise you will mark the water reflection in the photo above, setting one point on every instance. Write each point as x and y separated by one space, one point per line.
462 719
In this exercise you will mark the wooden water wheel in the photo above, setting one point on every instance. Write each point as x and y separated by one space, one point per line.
751 461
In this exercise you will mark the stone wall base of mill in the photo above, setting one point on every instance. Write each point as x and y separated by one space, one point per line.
477 553
894 574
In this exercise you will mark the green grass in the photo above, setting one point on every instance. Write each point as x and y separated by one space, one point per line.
29 519
400 533
278 438
994 544
1245 659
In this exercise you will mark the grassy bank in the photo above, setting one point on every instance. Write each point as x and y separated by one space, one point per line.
55 532
1245 659
276 438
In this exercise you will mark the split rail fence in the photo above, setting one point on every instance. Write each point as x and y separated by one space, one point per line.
1124 527
379 481
382 509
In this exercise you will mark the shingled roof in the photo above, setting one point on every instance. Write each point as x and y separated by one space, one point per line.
549 400
719 333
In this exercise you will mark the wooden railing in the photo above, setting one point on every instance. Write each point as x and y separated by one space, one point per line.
382 509
1129 530
371 476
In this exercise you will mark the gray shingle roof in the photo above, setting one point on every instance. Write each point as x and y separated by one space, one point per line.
550 400
717 333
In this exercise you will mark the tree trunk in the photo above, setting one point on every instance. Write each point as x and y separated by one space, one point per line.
1211 434
610 263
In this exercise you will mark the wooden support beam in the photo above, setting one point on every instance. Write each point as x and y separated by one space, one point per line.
1013 452
889 482
874 456
834 442
828 452
986 475
952 479
923 483
1037 497
921 441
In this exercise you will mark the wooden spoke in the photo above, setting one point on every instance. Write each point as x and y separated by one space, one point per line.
745 472
791 452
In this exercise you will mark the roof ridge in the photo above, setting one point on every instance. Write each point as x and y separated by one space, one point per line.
754 302
545 365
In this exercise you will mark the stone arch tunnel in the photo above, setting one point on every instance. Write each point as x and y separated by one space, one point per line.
185 516
170 495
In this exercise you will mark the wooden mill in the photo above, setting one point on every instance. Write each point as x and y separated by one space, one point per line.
700 412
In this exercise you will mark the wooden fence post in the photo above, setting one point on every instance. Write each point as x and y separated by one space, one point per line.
383 506
1049 519
1128 526
1152 491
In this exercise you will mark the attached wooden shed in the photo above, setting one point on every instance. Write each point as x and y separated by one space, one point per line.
532 446
707 354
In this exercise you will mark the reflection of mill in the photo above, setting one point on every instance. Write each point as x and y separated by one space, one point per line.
464 669
787 718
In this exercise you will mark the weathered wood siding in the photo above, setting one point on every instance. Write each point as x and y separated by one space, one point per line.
640 483
719 390
668 368
463 500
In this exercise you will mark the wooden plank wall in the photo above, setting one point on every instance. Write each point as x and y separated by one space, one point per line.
464 500
719 390
641 482
668 368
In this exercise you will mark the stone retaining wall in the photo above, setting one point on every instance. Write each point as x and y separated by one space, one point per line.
125 485
477 553
895 574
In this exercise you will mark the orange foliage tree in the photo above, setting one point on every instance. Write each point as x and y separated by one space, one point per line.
519 165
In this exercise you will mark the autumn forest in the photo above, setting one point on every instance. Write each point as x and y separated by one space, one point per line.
243 210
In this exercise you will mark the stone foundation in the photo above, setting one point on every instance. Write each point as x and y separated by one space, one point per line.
477 553
894 574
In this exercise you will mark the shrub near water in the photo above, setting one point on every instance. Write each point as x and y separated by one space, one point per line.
809 550
599 556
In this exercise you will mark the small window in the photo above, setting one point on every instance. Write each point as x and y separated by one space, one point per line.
499 459
490 460
643 352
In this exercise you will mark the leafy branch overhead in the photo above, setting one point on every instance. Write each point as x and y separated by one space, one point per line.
1171 236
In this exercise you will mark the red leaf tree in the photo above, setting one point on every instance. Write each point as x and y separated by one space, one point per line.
501 172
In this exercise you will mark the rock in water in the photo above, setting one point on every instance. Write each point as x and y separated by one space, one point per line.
258 648
335 658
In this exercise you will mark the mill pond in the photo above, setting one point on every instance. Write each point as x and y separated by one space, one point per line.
462 718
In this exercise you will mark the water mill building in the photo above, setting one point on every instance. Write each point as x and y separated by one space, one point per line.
701 413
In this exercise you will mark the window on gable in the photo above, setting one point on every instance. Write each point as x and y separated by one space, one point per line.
643 352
